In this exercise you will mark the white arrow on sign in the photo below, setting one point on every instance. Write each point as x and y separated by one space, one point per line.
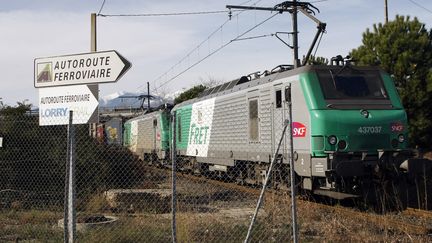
56 102
85 68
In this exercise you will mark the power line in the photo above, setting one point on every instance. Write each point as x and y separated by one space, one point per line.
100 10
164 14
421 6
253 37
217 50
180 14
199 46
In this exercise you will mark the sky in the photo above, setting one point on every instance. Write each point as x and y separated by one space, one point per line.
163 47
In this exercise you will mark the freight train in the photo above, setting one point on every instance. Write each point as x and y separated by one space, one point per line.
349 131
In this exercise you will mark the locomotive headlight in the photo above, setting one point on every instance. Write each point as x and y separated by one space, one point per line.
401 138
332 140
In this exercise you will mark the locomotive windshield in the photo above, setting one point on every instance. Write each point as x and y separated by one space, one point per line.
353 88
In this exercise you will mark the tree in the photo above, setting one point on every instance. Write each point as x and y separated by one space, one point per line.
20 109
190 93
33 157
403 48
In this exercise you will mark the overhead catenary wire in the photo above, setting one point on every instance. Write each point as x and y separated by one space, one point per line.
197 48
166 14
181 14
254 37
421 6
159 14
190 52
100 10
216 50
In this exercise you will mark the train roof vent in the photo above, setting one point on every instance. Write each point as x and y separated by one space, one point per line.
208 91
219 88
224 86
204 93
232 84
216 89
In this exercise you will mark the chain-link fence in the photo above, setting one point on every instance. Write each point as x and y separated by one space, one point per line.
125 190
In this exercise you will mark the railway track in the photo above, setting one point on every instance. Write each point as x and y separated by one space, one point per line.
418 213
385 222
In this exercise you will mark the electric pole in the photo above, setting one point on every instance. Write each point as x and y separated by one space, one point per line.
295 34
148 96
93 48
386 11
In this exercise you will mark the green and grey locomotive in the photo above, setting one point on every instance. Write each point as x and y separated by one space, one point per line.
348 125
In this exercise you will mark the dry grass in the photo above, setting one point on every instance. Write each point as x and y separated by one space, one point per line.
209 213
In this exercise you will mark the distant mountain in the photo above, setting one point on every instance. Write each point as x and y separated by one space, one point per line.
131 100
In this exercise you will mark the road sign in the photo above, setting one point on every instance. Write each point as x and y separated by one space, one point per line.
85 68
56 102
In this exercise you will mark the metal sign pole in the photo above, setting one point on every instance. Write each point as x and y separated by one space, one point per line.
69 204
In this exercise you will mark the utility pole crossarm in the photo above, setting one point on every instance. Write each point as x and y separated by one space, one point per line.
251 8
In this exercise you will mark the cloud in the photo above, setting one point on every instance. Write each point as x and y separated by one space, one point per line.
27 35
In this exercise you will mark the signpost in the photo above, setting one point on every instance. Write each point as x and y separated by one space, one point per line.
62 81
56 102
68 95
85 68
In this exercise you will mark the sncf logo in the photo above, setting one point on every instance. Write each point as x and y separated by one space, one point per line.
298 129
397 127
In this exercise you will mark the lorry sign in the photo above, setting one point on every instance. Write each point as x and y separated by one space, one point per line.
56 102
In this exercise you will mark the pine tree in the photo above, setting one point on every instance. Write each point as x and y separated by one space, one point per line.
190 93
403 48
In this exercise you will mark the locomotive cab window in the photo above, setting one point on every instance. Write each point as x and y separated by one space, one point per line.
253 121
278 98
353 88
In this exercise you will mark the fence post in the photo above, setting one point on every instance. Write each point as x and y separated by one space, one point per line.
69 203
174 165
292 172
261 196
